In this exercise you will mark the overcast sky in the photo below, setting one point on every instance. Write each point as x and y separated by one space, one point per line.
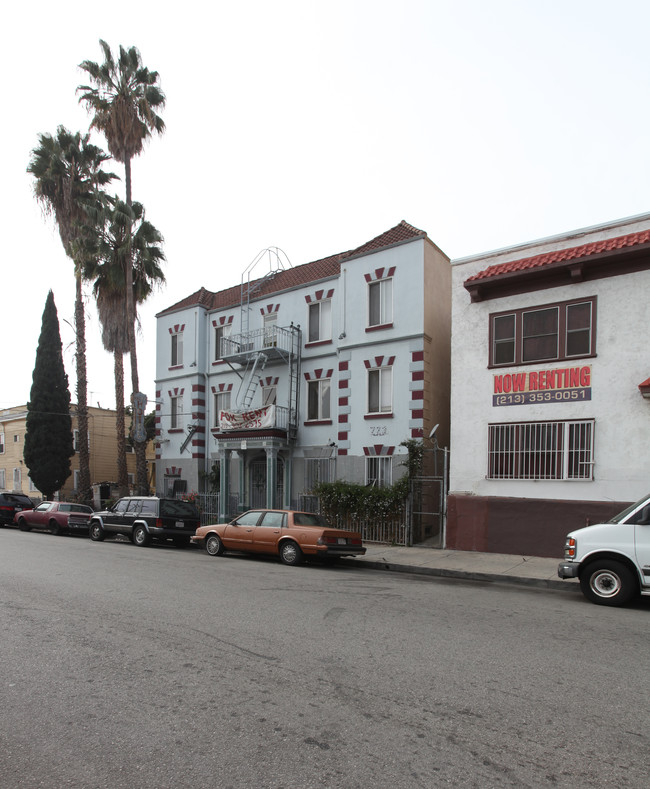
315 126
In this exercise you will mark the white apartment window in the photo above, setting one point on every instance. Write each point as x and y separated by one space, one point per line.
269 395
3 479
220 333
177 349
221 403
270 326
2 445
541 450
16 438
130 479
320 321
380 390
380 302
379 472
32 487
318 399
176 412
17 482
75 479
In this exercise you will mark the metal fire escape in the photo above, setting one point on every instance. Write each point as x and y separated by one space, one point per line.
251 351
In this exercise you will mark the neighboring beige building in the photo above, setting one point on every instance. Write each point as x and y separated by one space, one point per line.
14 474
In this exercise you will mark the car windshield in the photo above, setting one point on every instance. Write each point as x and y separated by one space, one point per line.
623 515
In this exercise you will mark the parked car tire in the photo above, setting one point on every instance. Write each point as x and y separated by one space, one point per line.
54 528
140 536
608 582
290 553
95 531
22 525
213 545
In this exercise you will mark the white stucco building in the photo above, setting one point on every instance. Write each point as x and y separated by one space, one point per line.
550 365
306 373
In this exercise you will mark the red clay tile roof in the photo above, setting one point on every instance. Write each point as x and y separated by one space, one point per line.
562 255
299 275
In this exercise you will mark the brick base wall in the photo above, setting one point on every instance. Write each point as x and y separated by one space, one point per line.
533 527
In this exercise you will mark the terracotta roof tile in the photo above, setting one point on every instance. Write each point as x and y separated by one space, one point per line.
298 275
563 255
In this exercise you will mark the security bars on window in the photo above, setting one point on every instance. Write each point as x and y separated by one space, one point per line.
541 450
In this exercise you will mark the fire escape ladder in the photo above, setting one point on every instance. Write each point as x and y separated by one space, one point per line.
294 388
251 379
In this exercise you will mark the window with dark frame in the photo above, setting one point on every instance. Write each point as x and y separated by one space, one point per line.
552 332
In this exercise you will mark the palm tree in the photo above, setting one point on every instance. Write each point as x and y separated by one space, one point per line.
125 235
123 98
69 178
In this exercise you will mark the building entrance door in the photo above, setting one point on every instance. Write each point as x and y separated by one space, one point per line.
257 484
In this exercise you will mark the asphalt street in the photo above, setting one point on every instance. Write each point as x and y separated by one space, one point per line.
162 667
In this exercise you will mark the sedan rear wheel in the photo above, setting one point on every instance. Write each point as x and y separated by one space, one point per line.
54 528
290 553
213 545
22 525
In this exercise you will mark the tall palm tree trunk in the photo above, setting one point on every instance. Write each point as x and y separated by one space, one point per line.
120 426
140 446
83 492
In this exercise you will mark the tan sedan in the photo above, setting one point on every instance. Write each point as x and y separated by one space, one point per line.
291 535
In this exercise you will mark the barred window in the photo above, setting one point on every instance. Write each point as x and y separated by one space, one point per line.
319 470
541 450
379 471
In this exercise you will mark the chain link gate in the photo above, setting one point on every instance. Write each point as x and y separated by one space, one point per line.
427 504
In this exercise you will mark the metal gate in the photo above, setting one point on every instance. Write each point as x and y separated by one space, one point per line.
257 483
428 499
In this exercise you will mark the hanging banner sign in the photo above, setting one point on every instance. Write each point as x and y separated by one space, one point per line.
566 384
247 420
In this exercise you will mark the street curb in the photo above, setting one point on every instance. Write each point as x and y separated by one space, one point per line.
442 572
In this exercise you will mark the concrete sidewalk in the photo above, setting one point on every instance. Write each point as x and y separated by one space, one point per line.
532 571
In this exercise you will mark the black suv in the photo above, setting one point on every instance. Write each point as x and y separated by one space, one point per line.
10 504
146 518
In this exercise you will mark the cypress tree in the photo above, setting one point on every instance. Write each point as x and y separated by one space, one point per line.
48 440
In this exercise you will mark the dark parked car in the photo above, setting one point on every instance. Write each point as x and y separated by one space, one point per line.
146 518
56 516
10 504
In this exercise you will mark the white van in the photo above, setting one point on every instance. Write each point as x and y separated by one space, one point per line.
612 560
